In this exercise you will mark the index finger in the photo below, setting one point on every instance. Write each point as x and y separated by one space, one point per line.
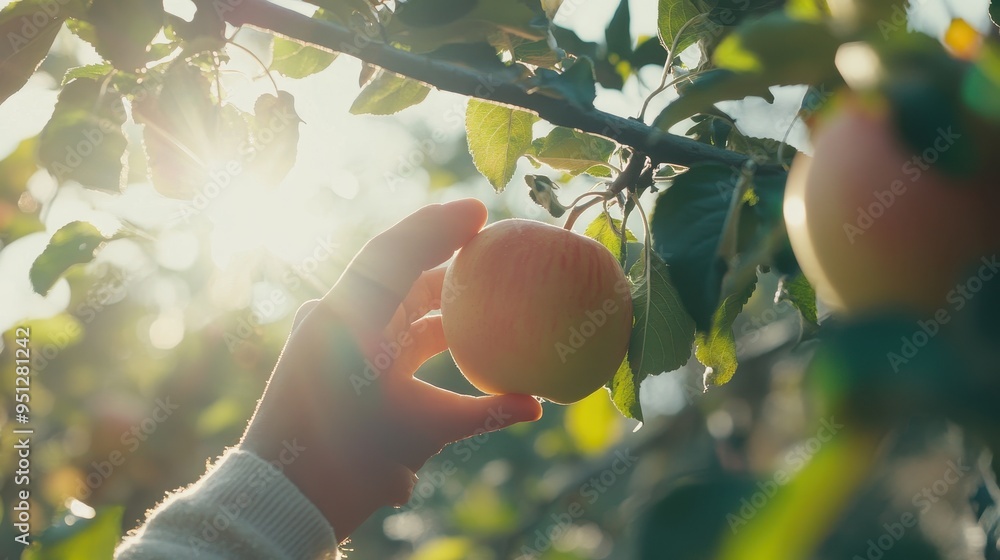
380 276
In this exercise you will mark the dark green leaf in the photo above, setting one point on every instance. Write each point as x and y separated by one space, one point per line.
425 25
663 331
694 519
618 34
388 94
26 39
686 226
707 89
573 151
295 60
717 347
648 52
83 538
781 49
123 30
995 12
83 140
74 243
800 293
575 85
773 50
498 136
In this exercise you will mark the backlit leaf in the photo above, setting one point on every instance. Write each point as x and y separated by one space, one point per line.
717 347
388 94
573 151
74 243
498 136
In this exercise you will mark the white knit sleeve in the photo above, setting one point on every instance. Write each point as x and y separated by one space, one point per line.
242 508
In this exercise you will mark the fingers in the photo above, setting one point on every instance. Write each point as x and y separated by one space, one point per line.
426 340
467 416
382 274
424 296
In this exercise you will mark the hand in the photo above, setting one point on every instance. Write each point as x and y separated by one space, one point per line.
343 388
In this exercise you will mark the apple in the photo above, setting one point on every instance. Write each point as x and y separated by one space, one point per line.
875 226
533 308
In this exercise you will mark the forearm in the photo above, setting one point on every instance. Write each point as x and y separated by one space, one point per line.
243 508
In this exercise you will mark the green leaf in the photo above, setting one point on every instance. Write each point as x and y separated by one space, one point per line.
83 540
574 152
88 72
604 229
670 19
388 94
83 140
618 34
275 134
74 243
772 50
783 50
995 12
707 89
624 389
192 145
295 60
801 294
717 347
123 30
686 227
498 136
24 44
661 340
575 85
425 25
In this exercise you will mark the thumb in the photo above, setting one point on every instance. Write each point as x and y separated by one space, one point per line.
471 416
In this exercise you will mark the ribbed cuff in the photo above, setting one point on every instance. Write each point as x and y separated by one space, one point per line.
245 508
269 504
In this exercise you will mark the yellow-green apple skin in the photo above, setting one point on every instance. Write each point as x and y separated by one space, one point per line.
531 308
874 226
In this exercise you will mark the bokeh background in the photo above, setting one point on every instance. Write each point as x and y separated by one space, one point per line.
194 315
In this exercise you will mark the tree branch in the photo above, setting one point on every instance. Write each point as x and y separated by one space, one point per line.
661 147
